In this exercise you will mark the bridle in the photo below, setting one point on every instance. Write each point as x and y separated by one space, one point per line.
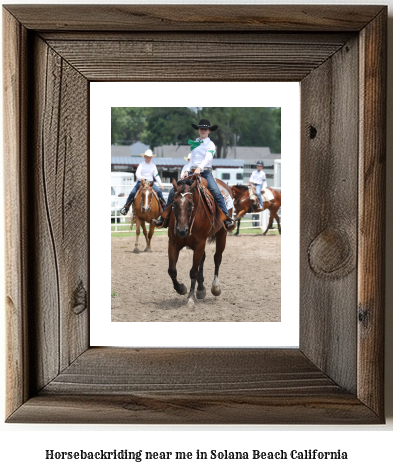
150 199
192 209
242 200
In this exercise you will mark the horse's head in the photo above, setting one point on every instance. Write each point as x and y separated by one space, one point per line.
146 195
183 205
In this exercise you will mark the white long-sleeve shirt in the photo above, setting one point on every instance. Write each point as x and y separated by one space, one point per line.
202 156
148 172
258 177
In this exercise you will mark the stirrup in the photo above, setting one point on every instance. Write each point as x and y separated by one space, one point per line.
124 210
161 222
229 224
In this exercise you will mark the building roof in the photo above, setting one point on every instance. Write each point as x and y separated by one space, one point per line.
248 153
138 148
173 162
174 151
121 150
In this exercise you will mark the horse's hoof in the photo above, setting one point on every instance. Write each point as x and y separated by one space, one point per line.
216 290
182 290
201 294
147 249
190 302
136 250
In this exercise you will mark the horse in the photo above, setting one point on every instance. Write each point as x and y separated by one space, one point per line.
145 208
243 205
192 224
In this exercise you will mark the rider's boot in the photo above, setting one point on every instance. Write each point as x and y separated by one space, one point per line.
163 219
226 219
124 210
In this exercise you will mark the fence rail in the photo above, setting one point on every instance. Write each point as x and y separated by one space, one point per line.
259 220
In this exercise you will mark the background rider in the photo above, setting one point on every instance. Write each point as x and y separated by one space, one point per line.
145 171
258 179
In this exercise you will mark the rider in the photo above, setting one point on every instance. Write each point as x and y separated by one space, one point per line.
145 171
258 179
202 151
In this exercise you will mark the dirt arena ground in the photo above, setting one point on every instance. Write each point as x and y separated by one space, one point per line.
250 279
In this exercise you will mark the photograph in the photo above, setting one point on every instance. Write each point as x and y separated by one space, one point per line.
196 214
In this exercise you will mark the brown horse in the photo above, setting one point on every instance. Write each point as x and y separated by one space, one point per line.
191 224
243 205
145 207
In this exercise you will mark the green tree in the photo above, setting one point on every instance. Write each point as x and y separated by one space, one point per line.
241 126
168 125
127 124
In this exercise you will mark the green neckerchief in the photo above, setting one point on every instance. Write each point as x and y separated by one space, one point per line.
194 144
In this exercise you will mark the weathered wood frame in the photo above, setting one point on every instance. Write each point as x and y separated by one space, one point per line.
338 53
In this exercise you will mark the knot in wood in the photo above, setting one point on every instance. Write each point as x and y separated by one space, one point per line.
80 299
330 254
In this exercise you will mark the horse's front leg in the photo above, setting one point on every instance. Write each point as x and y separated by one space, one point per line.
221 237
149 237
201 290
197 258
173 254
238 228
143 223
270 223
138 231
240 215
277 217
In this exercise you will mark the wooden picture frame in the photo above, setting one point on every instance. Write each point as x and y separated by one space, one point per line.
338 54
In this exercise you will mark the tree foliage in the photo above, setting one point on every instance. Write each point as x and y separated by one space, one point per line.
240 126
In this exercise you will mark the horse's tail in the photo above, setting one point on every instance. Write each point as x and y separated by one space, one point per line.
211 239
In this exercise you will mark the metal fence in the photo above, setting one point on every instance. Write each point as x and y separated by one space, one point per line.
121 224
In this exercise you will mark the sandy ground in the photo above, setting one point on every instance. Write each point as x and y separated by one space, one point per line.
250 279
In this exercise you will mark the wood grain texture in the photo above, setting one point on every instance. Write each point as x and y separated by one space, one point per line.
372 208
184 17
328 253
14 41
60 177
159 59
335 376
193 386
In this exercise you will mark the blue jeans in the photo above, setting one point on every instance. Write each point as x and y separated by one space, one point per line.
258 189
212 187
136 187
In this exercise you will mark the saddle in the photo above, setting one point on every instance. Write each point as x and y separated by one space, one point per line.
252 193
158 200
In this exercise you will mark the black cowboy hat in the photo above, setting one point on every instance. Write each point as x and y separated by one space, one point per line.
204 124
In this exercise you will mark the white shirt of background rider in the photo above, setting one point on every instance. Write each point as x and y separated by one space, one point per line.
202 156
258 177
148 171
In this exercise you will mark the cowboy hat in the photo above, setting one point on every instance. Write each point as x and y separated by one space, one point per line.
187 158
147 153
204 124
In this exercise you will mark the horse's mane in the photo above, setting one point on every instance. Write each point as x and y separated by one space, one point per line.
241 186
